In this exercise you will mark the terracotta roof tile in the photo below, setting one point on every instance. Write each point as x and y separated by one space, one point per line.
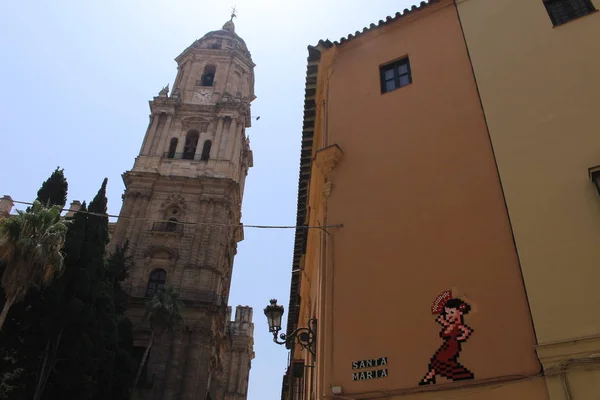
388 19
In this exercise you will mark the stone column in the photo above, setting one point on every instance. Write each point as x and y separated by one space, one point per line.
214 150
243 361
175 365
139 222
231 137
124 226
196 371
233 372
164 146
198 233
207 243
150 135
186 77
237 145
180 72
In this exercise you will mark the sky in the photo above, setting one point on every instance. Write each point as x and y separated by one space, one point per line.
77 78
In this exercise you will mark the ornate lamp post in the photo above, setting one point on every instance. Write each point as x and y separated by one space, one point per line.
305 337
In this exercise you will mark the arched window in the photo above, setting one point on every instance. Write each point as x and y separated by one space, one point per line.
172 224
191 142
208 77
157 280
172 148
206 151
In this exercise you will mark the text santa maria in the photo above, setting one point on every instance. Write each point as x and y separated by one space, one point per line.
374 374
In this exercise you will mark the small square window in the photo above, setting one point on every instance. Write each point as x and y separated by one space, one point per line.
563 11
395 75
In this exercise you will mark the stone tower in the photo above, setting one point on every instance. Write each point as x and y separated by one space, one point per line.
181 214
236 368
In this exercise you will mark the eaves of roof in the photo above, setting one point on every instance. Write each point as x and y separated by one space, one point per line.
389 19
308 126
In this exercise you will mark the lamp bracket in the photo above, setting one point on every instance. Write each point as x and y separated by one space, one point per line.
305 337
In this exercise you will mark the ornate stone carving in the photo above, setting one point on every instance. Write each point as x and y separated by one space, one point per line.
164 92
143 194
327 187
198 123
173 254
174 200
327 158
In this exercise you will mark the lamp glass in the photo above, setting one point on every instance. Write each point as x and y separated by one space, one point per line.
274 312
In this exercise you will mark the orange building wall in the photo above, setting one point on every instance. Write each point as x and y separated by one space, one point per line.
418 194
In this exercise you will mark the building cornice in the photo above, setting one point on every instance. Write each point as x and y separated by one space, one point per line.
562 352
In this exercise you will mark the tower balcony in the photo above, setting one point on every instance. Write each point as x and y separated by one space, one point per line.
167 227
140 294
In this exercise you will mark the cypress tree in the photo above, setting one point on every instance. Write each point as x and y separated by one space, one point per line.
96 361
78 376
54 189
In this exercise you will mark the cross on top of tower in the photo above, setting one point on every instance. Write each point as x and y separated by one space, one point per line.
233 13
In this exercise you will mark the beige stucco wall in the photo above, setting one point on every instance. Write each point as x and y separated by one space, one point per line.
540 89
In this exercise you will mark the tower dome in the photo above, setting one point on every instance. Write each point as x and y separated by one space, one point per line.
224 38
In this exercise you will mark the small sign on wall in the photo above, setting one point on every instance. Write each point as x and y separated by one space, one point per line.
374 374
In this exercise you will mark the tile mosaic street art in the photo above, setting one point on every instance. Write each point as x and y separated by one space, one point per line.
450 315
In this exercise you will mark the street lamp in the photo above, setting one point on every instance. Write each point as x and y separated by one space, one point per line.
305 337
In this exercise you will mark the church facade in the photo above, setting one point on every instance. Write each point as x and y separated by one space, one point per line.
181 217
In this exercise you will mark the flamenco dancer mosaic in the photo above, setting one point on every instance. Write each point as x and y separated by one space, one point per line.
451 312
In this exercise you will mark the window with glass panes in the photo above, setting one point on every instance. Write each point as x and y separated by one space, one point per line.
563 11
395 75
157 280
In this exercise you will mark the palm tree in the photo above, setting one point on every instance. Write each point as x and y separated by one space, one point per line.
163 312
30 249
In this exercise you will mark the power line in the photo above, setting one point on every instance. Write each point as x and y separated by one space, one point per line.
196 223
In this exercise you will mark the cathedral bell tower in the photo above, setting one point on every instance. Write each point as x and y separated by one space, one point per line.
180 216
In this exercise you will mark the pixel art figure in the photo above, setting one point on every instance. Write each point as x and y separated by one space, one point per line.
451 312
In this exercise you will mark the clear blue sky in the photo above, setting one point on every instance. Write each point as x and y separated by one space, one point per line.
77 77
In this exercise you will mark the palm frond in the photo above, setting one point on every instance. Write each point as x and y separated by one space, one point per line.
164 310
30 246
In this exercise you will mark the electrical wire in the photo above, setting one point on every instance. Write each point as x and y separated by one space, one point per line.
196 223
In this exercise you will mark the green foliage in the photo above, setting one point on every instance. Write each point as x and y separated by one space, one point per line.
54 190
99 331
71 340
30 249
164 310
